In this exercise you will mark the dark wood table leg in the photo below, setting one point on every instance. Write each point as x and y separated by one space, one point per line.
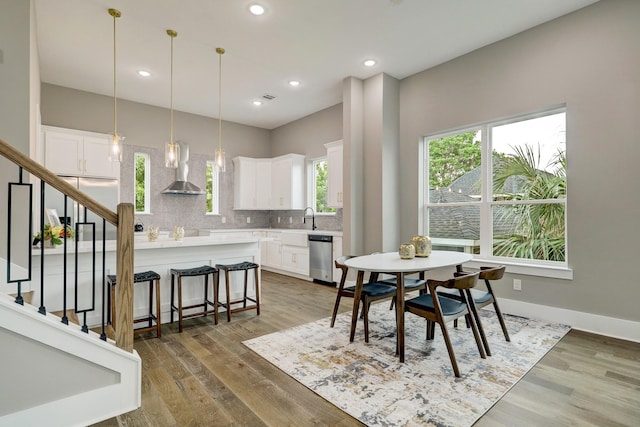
356 304
400 314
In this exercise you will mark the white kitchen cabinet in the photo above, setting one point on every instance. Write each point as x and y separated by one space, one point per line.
287 182
263 184
334 174
337 253
252 183
295 259
78 153
266 184
244 183
273 257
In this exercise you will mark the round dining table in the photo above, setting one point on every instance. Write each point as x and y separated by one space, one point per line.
391 263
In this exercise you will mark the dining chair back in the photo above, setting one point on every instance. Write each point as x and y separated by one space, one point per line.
439 309
484 298
371 291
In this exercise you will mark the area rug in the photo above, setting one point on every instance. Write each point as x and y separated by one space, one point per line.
368 382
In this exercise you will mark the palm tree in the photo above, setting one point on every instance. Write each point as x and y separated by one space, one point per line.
539 231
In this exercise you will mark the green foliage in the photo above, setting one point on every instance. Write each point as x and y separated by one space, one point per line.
321 187
140 182
451 157
209 189
540 228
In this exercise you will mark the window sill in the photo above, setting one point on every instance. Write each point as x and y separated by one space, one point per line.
526 269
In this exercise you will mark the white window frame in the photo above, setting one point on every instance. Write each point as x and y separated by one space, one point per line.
542 268
215 185
147 183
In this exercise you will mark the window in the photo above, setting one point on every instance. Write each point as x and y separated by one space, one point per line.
141 184
212 190
318 193
498 190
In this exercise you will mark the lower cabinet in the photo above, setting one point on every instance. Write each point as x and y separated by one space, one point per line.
274 254
337 253
295 259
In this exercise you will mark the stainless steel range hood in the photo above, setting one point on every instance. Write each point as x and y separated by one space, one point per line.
181 185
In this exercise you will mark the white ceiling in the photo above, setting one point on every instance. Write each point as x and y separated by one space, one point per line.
318 42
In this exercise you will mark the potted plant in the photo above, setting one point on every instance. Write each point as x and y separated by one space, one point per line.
54 235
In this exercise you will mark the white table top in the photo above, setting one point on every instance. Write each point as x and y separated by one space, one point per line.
390 262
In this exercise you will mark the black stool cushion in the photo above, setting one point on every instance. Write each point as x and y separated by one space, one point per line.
144 276
196 271
239 266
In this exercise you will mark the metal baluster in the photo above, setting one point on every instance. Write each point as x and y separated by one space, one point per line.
103 335
19 298
64 319
42 309
85 328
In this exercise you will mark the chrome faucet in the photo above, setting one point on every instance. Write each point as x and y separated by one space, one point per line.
313 217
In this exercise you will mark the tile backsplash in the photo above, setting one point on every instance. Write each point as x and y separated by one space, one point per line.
168 210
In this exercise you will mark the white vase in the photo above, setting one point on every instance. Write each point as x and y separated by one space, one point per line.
48 244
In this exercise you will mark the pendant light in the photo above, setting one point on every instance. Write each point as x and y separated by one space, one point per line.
115 151
172 150
219 158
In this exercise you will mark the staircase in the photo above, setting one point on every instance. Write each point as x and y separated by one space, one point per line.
56 369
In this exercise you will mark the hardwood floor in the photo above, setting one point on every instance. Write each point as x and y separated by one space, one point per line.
205 376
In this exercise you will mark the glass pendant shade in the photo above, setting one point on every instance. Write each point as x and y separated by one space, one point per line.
220 161
171 155
116 148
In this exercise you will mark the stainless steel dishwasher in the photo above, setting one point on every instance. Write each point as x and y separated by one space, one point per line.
321 258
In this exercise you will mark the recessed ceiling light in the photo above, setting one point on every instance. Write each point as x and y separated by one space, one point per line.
256 9
294 83
257 103
144 73
369 63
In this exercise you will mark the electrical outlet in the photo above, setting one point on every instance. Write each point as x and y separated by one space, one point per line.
278 220
517 284
290 220
248 220
224 219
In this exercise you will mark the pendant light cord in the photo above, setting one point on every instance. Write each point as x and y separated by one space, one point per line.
172 34
115 14
220 51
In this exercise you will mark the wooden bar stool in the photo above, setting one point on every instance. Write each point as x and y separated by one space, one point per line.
241 266
146 276
204 271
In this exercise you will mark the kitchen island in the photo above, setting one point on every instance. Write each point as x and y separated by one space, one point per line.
160 256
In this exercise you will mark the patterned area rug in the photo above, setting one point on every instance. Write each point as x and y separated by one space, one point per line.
368 382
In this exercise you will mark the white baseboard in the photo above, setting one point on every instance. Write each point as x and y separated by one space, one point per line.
603 325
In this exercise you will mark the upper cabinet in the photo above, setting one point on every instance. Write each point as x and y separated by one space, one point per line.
266 184
78 153
287 182
252 183
334 174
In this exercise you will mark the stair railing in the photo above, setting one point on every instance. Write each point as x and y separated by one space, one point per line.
122 220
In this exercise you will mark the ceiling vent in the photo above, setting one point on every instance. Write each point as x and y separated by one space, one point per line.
268 97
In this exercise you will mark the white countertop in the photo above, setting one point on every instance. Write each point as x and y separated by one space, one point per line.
140 244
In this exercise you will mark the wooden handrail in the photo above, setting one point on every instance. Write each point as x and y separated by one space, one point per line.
53 180
123 220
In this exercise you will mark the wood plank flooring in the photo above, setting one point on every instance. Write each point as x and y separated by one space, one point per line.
205 376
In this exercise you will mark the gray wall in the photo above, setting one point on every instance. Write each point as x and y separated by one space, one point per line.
589 60
309 134
146 129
